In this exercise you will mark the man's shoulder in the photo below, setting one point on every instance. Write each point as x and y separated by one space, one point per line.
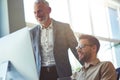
34 28
59 22
106 63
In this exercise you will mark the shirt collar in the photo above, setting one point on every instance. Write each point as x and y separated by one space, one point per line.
49 27
87 65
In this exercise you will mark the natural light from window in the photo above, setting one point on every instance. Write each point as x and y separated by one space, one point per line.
84 16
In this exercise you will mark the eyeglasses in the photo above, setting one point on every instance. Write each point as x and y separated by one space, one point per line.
83 46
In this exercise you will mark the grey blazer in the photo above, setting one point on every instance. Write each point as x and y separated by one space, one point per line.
63 40
35 38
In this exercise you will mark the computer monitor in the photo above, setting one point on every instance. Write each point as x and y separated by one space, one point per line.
17 48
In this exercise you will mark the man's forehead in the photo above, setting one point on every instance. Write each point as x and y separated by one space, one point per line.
86 40
83 41
38 5
38 1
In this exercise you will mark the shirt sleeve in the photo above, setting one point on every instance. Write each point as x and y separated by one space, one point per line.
108 72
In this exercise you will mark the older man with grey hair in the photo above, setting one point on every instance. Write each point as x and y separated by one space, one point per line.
55 38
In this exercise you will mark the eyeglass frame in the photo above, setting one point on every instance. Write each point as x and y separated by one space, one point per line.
83 46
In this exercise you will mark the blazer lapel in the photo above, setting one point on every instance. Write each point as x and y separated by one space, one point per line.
54 31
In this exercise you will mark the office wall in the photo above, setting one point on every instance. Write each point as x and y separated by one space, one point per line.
11 16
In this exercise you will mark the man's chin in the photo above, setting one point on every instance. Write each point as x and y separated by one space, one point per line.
81 58
41 22
81 62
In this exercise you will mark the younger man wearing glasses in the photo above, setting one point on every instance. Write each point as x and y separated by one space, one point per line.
93 69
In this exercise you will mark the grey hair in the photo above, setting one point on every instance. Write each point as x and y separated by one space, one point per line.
43 1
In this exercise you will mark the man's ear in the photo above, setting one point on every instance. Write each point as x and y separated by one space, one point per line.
94 47
49 10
